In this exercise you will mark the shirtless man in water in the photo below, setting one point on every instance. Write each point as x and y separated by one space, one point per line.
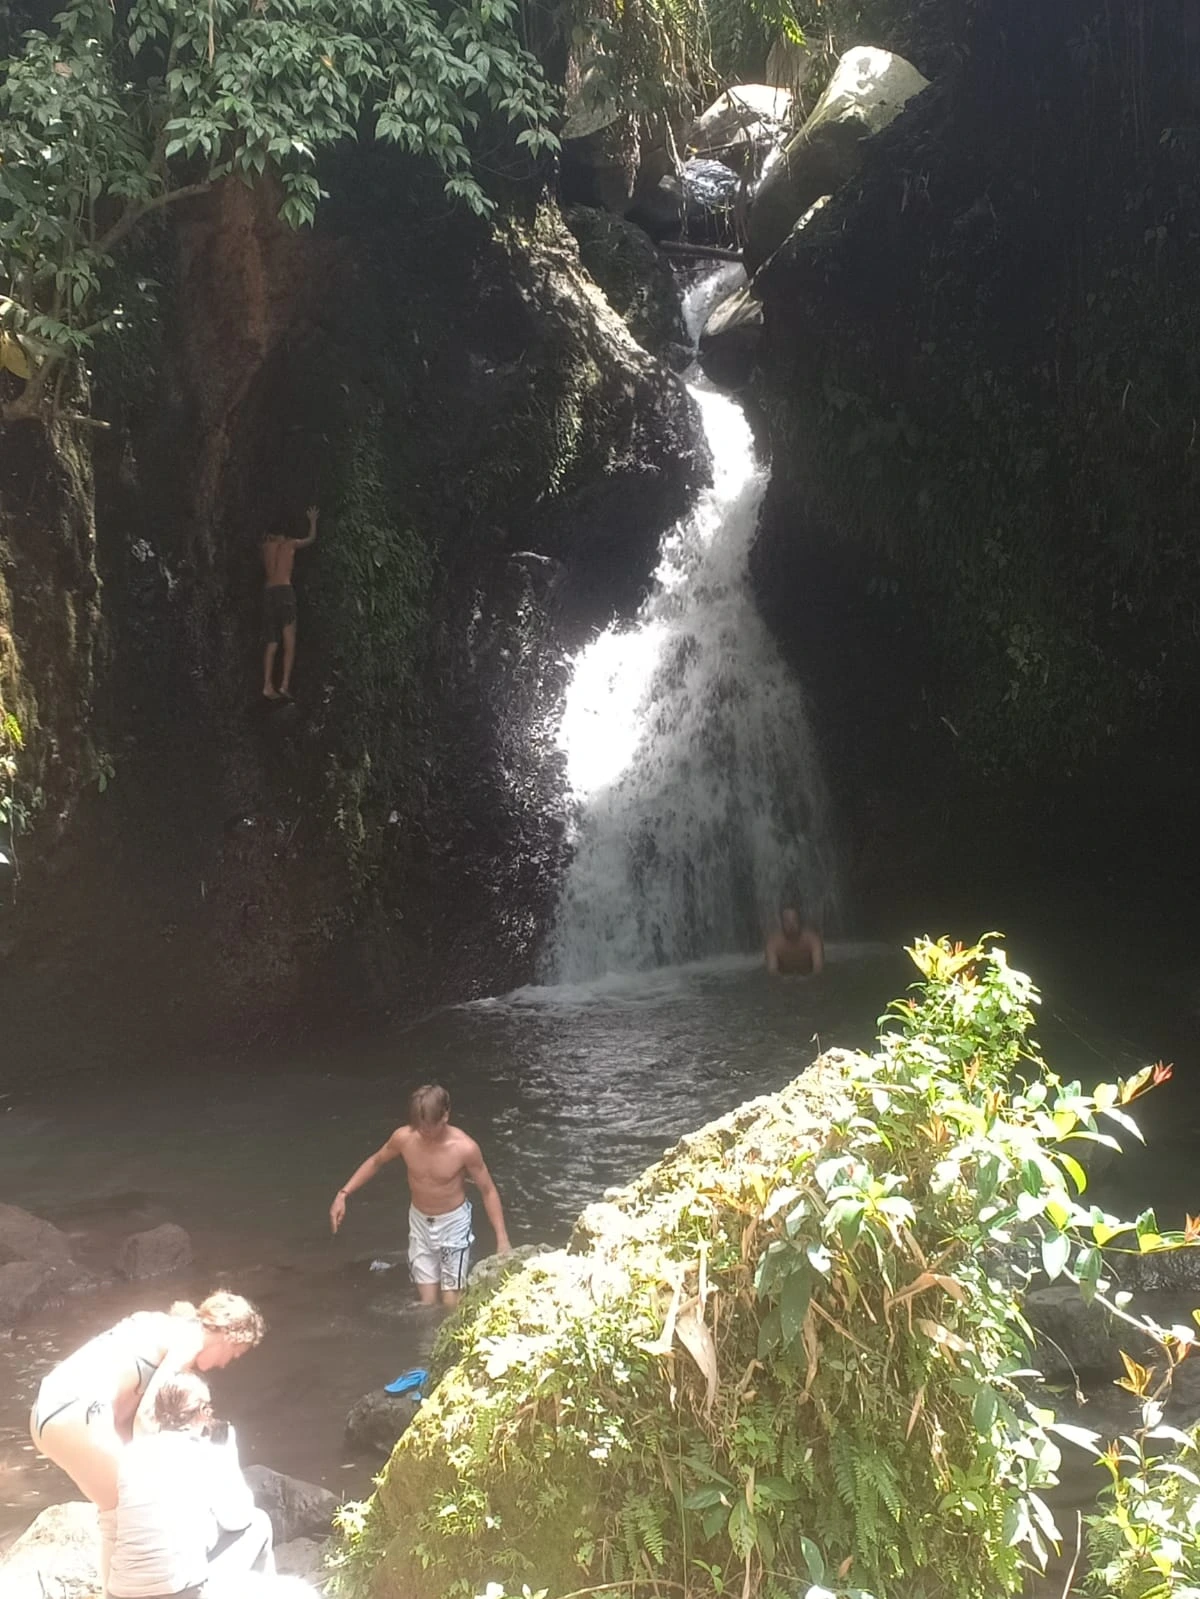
279 606
439 1159
796 950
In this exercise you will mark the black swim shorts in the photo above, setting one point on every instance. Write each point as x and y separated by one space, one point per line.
279 608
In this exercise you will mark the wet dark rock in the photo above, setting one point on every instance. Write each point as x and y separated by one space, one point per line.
378 1419
27 1286
730 340
297 1509
636 280
698 203
1077 1339
58 1557
24 1236
155 1253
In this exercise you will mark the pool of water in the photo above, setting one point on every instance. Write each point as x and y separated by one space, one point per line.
569 1090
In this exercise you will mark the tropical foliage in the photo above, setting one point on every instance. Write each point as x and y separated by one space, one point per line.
793 1353
115 113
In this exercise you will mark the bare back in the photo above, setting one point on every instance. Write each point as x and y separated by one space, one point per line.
278 556
436 1167
116 1366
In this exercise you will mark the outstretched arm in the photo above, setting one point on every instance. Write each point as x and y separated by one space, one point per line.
816 947
311 536
482 1178
365 1172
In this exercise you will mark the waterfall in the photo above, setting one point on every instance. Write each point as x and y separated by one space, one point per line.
699 806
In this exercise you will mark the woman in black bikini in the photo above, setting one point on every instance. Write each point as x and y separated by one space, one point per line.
90 1405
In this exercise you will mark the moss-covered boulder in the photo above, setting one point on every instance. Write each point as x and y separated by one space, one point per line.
789 1355
512 1468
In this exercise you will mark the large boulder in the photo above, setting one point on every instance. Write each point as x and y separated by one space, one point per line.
297 1509
378 1419
730 340
24 1236
58 1557
742 125
868 90
636 280
155 1253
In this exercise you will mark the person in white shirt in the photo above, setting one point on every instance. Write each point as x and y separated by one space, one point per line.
186 1522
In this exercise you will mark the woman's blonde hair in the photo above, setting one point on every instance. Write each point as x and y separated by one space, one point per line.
229 1314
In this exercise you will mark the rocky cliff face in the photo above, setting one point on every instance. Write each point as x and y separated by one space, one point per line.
978 370
495 459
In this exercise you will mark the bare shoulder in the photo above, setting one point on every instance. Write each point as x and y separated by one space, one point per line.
399 1140
466 1146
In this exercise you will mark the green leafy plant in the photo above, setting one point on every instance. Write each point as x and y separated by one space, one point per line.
793 1356
117 113
1144 1542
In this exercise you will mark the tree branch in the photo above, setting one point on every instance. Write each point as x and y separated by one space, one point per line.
125 224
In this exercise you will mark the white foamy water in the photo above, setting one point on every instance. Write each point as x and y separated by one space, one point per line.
697 782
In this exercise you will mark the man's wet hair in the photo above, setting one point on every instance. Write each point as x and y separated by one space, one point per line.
429 1105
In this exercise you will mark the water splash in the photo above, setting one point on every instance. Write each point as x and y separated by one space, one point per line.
695 775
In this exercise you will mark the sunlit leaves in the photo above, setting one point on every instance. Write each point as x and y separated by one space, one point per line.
114 113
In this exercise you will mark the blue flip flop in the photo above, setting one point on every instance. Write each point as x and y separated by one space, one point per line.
407 1381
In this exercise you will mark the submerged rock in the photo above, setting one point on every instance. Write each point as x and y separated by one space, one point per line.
155 1253
24 1236
297 1509
58 1557
378 1420
27 1286
868 90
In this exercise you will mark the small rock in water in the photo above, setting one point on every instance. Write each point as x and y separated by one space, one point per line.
27 1286
155 1253
378 1419
383 1265
297 1509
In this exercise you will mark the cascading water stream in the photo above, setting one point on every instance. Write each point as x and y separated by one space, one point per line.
700 806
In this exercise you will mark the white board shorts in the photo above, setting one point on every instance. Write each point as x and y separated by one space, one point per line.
439 1247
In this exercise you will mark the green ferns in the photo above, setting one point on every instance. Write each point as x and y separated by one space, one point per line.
791 1351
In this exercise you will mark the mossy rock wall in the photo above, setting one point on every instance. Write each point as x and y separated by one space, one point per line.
495 460
51 634
978 374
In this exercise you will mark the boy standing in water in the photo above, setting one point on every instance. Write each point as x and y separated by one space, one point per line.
279 606
439 1159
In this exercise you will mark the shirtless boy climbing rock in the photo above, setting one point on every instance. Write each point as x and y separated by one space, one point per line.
440 1158
279 606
